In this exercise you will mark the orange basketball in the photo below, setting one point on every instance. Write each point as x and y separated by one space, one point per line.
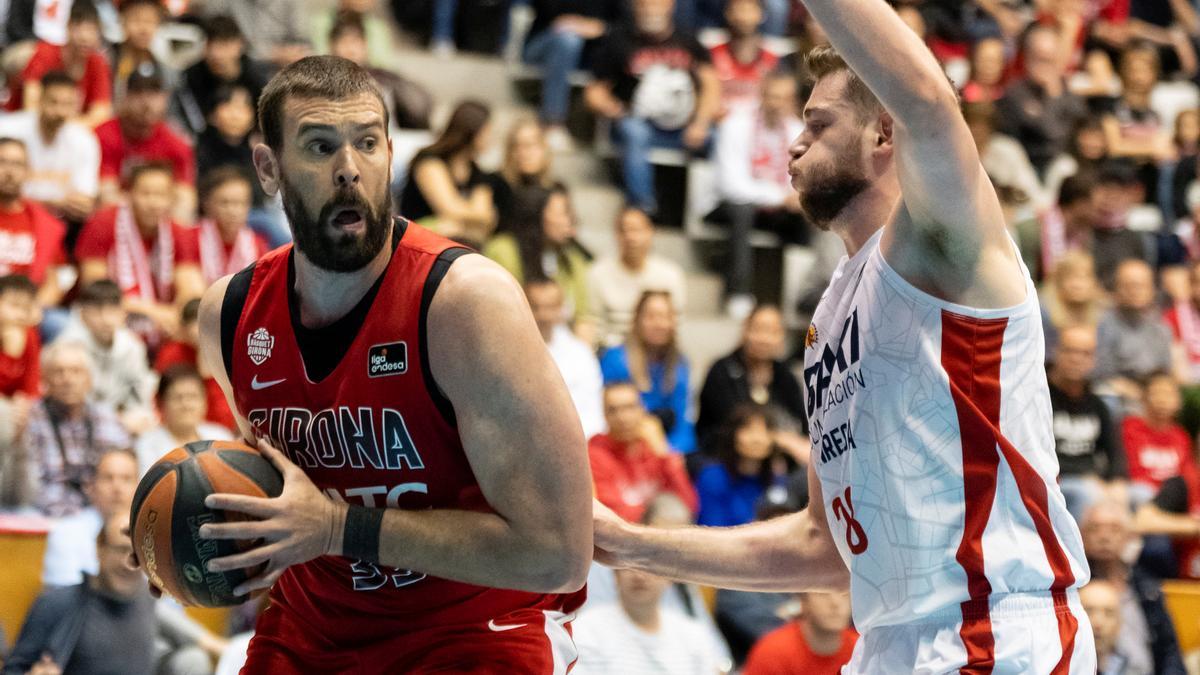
168 510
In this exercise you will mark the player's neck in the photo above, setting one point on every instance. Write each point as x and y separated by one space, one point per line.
644 616
863 217
327 296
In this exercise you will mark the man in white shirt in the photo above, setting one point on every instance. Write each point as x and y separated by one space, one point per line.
616 283
753 182
64 155
635 635
71 544
575 359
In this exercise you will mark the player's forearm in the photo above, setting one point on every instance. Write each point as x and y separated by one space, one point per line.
780 555
482 549
890 59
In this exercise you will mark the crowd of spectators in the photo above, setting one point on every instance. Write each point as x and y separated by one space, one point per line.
126 188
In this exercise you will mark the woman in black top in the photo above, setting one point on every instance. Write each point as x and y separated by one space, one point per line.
446 189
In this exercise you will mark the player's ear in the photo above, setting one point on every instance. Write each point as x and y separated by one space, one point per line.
267 167
883 130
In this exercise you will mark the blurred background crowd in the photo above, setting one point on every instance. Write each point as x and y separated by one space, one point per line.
626 160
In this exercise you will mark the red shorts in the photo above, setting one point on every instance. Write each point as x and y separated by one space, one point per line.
533 641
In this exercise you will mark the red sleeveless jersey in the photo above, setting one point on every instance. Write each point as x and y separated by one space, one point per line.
375 431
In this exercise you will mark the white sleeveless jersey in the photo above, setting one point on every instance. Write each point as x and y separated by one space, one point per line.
931 430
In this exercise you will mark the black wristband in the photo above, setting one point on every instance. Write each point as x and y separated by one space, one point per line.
360 538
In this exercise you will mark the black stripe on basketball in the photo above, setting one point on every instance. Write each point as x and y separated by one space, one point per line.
251 467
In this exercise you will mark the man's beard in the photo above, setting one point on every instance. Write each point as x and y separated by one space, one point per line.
829 188
341 252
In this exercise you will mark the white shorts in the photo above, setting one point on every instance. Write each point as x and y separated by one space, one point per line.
1026 633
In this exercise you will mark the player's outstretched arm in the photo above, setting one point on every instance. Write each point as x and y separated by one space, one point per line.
787 554
949 238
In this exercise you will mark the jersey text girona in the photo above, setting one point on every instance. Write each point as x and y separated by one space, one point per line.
376 432
932 438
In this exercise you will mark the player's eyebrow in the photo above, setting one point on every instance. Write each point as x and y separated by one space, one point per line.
313 127
811 110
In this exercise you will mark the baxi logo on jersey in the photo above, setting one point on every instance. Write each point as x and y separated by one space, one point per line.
819 376
388 359
258 345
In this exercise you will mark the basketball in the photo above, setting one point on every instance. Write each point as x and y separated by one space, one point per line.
168 510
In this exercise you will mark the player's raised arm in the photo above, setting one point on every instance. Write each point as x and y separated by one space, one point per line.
787 554
950 230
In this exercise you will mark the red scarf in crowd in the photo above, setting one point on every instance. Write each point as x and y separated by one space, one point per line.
214 262
146 276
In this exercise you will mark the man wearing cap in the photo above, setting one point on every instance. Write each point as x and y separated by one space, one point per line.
138 135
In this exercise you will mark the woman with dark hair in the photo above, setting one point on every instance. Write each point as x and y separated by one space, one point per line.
446 189
182 404
650 358
539 243
749 464
755 372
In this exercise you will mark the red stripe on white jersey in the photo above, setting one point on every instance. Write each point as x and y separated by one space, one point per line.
971 355
971 358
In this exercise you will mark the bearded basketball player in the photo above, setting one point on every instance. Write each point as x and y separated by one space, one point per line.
435 514
932 479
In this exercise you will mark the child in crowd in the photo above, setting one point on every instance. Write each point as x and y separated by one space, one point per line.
1156 444
182 351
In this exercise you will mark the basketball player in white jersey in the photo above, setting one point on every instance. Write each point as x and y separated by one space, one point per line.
932 478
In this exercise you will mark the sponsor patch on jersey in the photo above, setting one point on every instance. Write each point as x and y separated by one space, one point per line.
259 345
811 337
388 359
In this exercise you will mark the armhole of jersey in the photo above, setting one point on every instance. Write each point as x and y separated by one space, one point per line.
436 274
231 313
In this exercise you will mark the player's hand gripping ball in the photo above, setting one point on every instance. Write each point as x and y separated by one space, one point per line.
169 510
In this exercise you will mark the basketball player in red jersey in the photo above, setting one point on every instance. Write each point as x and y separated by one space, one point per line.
435 513
932 484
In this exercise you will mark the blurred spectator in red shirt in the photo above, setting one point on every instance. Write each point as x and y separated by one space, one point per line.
1156 445
632 463
31 240
818 642
182 351
138 135
20 348
80 57
227 244
743 61
987 72
155 261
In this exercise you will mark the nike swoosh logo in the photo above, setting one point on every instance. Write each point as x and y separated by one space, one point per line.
256 385
492 626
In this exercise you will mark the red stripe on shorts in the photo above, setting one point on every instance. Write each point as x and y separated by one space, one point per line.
971 358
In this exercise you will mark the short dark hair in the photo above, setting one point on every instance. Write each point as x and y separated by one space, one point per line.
215 178
17 283
190 312
58 78
1117 172
222 27
102 292
347 21
83 11
180 372
1075 189
330 77
144 168
127 5
823 61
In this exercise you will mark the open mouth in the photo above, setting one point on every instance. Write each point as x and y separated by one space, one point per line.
349 219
